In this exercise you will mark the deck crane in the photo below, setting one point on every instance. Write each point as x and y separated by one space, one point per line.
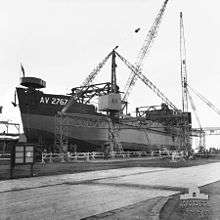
61 130
152 33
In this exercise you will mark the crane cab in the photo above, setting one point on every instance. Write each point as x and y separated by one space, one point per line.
110 102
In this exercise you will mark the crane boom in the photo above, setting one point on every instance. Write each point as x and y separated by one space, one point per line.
152 33
183 69
96 70
205 100
194 111
147 82
87 82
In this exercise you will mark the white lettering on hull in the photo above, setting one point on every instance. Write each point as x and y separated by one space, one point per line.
53 101
42 100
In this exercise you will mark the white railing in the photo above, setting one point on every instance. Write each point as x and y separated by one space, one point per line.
5 156
52 157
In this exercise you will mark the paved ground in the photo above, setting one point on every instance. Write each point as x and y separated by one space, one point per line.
81 195
27 183
181 177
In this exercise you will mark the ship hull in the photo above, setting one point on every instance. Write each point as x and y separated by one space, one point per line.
41 129
86 128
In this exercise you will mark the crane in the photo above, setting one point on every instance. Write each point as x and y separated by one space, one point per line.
185 92
183 69
61 130
152 33
183 73
186 95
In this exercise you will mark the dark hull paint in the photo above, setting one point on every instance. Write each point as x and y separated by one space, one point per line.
38 112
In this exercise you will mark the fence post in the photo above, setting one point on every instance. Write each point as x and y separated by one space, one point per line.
93 155
152 153
43 155
87 156
68 156
42 158
51 157
62 157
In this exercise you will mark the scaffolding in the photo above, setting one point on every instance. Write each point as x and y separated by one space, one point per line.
61 133
65 122
114 138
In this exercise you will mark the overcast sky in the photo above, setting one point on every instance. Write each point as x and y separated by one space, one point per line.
61 41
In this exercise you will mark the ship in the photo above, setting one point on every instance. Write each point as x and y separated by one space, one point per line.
91 128
63 121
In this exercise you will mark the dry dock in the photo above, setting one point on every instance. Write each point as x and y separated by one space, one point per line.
81 195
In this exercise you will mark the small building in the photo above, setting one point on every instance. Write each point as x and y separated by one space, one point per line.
7 141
